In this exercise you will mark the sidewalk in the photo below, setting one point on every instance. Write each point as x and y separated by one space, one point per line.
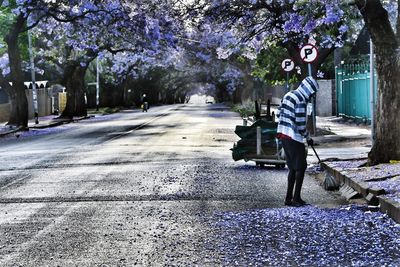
44 122
342 129
378 185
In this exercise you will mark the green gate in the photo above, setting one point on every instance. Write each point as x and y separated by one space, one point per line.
353 91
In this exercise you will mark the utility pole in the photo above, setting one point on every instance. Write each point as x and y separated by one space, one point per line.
97 84
34 91
371 85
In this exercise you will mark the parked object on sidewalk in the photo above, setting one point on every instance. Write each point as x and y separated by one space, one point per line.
258 141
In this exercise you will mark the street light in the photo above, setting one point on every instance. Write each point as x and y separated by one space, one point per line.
97 84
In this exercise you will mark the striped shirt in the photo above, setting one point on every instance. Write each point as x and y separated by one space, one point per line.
292 113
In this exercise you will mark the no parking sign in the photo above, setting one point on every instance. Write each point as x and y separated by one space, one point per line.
287 65
309 53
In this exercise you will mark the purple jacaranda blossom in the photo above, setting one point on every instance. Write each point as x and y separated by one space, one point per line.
308 236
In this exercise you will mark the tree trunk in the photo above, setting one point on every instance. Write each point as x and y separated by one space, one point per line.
387 142
221 94
245 91
19 104
74 76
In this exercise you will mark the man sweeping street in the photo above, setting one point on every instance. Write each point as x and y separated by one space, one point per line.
292 131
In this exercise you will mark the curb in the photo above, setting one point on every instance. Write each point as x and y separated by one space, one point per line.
51 124
373 195
5 133
390 207
56 122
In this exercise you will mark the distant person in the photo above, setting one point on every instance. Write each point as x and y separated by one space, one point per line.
292 114
145 103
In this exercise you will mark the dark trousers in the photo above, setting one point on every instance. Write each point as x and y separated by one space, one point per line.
295 178
297 164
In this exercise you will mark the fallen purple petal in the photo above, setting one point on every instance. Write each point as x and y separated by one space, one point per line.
385 176
348 236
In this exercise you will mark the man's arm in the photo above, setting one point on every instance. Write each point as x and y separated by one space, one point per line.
300 115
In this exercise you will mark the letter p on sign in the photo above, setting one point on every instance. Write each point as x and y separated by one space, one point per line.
287 65
309 53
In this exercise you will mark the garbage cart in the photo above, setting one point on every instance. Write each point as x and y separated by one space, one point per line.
258 141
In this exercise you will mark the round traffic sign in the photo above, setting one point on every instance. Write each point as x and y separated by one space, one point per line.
309 53
287 65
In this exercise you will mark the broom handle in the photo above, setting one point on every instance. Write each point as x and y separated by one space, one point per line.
315 152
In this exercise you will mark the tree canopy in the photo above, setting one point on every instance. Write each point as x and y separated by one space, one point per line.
210 44
248 27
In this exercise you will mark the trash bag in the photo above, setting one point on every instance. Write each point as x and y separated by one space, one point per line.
330 183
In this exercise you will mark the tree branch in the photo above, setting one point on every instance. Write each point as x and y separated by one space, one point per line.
398 22
377 20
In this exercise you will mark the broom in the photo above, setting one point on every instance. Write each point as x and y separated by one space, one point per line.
330 182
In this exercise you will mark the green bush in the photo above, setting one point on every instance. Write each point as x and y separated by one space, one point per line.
104 111
109 110
245 109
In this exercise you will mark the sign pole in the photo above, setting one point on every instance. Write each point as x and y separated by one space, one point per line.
287 81
309 54
313 103
287 66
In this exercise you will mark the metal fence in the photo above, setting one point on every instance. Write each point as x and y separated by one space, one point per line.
353 92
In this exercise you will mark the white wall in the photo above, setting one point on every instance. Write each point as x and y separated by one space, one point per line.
326 101
44 105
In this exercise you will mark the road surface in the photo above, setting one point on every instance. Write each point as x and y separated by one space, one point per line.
132 188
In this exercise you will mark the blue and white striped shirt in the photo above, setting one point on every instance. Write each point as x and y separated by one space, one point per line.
292 112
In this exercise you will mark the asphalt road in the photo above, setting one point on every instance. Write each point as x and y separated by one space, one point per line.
130 189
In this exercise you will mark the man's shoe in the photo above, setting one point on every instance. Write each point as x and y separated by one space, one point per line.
299 203
302 202
288 203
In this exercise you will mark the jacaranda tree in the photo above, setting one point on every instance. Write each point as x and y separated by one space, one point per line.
250 26
88 28
150 48
231 77
72 46
27 15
